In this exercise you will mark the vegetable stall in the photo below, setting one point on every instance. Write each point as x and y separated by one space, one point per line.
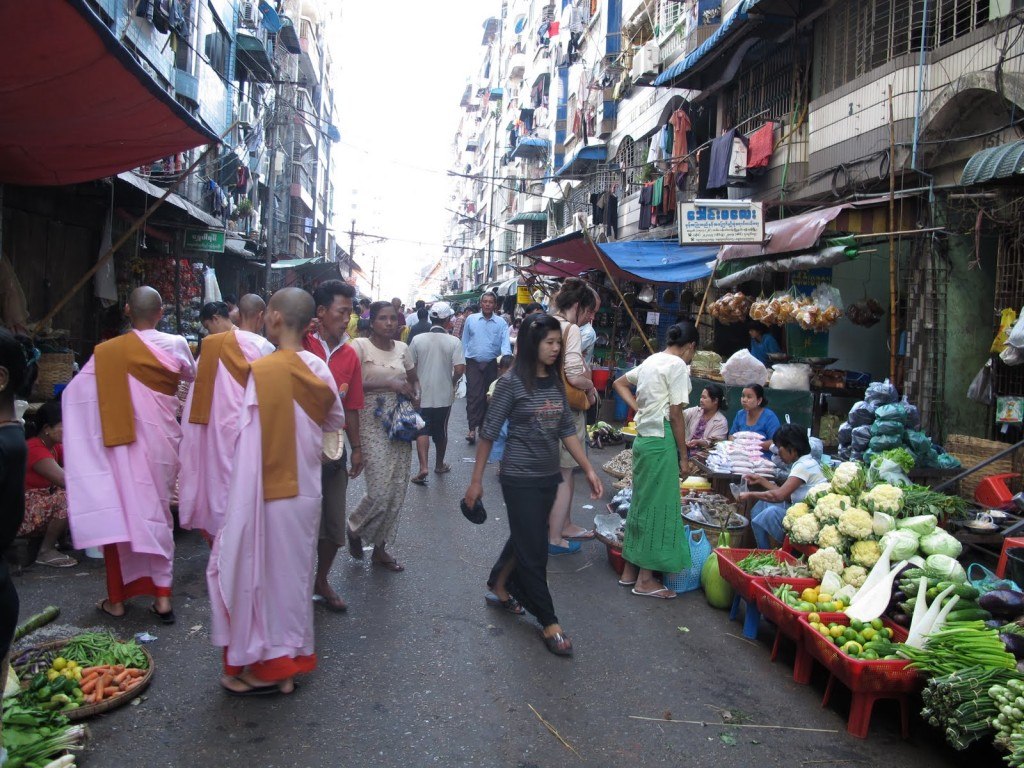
52 686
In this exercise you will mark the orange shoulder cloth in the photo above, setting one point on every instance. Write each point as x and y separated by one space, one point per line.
115 360
223 349
281 379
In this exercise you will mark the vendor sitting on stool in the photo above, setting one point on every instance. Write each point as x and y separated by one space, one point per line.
766 516
762 343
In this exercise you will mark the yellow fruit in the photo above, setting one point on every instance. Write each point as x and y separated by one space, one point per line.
868 633
836 630
824 630
813 618
839 604
824 597
52 674
59 663
810 595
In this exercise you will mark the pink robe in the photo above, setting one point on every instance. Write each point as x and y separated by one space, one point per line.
261 570
208 450
120 496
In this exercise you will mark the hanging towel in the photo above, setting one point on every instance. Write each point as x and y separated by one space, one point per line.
721 151
762 145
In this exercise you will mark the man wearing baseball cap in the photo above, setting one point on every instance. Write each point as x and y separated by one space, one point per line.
440 363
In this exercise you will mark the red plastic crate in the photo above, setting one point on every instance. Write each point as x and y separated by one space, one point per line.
787 621
867 680
741 581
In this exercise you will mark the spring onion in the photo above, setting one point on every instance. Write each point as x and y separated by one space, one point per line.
960 704
957 646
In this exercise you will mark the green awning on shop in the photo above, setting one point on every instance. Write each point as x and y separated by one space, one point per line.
525 217
460 297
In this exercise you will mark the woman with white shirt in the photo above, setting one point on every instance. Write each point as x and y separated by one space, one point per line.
572 304
655 539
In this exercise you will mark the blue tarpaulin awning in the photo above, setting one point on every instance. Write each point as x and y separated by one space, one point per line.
531 146
580 157
734 21
656 261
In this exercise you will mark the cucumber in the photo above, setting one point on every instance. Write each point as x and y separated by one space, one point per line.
913 573
969 614
963 591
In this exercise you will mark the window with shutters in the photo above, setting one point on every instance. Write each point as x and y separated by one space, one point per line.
856 36
630 165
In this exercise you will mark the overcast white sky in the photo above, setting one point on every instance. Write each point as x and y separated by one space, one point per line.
400 70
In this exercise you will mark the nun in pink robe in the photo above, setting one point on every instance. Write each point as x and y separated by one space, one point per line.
261 569
119 494
209 438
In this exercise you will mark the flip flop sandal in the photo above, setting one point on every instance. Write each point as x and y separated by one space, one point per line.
392 565
658 594
559 643
253 690
470 440
355 545
509 606
337 605
585 536
58 561
627 583
105 612
419 480
443 470
165 618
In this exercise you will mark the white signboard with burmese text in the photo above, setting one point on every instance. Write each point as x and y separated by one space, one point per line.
720 222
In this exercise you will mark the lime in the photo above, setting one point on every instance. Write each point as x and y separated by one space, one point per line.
852 648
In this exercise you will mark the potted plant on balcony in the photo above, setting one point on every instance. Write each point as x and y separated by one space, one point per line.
243 209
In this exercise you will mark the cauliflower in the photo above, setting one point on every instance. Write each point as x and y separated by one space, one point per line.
829 507
865 553
856 523
829 536
804 530
848 478
815 492
883 498
793 513
855 575
826 559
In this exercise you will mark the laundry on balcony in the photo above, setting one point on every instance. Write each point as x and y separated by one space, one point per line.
91 93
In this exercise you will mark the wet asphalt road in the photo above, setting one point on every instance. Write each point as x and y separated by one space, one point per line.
420 672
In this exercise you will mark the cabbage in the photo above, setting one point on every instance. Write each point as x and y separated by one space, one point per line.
922 525
831 583
945 567
882 523
904 541
938 542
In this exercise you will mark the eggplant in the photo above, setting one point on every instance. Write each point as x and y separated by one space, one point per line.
1014 644
1003 602
899 596
901 618
995 624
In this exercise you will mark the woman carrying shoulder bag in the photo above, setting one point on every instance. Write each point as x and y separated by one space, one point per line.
572 302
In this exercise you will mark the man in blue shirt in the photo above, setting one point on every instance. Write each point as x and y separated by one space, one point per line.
762 343
484 338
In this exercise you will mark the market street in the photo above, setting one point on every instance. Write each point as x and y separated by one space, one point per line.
421 672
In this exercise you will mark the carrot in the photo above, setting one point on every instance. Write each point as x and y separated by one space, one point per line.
118 668
121 677
132 682
89 698
111 690
90 686
99 668
136 672
98 694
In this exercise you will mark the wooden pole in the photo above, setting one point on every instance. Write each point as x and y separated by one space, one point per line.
615 285
704 301
893 329
121 241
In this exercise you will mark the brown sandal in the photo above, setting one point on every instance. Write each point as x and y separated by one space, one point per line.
559 643
392 565
355 544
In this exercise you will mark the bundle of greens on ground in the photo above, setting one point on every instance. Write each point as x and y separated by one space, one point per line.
33 737
960 704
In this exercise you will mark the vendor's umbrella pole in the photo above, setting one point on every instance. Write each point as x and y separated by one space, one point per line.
615 285
704 301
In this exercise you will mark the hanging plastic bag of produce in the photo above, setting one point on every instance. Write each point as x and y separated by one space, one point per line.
981 388
743 369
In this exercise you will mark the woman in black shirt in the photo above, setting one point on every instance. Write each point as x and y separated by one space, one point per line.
532 399
13 370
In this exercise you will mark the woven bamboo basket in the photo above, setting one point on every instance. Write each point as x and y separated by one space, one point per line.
89 710
974 450
54 368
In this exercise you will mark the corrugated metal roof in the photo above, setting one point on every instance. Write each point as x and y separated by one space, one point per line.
739 14
993 164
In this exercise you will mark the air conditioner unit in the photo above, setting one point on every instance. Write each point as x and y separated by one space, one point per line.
248 13
245 114
649 56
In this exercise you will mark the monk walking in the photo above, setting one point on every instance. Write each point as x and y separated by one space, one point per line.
121 455
211 420
261 570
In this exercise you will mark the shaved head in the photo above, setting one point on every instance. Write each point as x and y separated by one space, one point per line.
145 307
295 306
251 305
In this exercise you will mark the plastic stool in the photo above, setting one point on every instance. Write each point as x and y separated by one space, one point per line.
993 492
861 705
1008 543
751 616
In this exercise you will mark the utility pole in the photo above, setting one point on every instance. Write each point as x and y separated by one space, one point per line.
494 156
271 180
352 241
